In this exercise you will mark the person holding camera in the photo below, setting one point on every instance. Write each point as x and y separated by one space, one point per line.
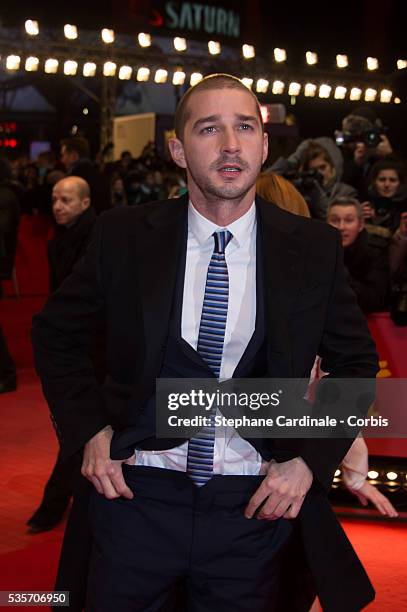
387 197
363 142
315 169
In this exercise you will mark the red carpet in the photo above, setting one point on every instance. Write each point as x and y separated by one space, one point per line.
28 449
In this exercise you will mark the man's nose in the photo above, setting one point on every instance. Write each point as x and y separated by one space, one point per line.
230 141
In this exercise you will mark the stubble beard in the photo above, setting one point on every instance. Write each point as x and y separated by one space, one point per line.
231 193
221 193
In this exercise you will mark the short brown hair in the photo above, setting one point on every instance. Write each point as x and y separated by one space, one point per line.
344 201
79 144
210 82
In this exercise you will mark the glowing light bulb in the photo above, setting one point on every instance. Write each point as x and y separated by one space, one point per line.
310 90
109 69
278 87
51 65
32 27
180 44
70 31
342 61
144 40
280 55
248 51
89 69
311 57
143 74
214 47
262 85
108 36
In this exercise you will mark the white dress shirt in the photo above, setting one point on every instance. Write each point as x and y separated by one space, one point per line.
232 454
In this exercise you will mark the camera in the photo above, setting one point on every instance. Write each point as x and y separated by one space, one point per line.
304 181
370 136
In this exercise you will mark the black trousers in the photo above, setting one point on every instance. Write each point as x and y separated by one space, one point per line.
76 549
59 487
174 537
7 365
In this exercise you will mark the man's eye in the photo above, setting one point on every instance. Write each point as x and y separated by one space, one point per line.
208 130
245 126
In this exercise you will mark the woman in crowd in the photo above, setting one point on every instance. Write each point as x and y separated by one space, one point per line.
387 196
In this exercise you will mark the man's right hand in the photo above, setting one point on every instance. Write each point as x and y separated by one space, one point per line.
106 474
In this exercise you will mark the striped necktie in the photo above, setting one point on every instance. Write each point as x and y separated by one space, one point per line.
210 347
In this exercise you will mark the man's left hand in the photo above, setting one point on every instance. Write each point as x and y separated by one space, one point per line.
282 491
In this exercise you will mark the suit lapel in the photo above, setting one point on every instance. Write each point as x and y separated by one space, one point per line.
159 246
282 252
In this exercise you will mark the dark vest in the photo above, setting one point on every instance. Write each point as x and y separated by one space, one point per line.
182 361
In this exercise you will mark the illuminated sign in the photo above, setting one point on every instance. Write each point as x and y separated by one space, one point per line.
202 18
8 143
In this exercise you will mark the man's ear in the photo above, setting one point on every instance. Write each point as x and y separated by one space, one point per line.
177 152
85 203
265 146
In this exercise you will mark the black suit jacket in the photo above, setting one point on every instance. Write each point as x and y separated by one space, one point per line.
67 246
129 272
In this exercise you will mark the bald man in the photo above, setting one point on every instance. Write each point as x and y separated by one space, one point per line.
75 218
70 198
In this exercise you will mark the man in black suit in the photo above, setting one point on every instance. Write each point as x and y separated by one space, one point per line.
223 524
75 217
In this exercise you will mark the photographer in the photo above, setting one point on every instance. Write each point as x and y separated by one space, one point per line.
315 169
363 142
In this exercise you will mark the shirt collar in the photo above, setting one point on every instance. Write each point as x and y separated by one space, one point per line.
202 228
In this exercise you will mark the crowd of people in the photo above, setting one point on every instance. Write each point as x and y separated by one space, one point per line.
127 181
358 187
355 182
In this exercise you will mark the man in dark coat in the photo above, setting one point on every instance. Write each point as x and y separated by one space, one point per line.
75 218
160 513
365 255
